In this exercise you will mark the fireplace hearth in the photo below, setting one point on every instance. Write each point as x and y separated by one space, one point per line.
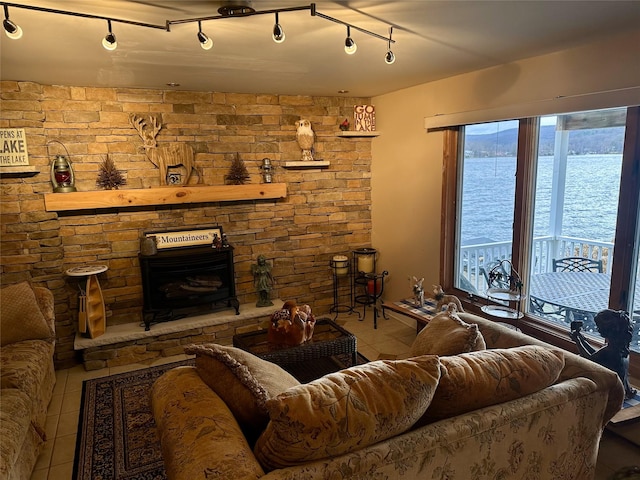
186 281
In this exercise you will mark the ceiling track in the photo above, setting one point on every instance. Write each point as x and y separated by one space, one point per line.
167 26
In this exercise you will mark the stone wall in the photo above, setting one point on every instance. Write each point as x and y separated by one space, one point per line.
327 210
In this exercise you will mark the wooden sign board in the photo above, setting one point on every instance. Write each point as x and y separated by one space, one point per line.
13 147
364 117
185 238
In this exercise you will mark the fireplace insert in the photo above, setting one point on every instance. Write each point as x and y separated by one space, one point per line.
185 281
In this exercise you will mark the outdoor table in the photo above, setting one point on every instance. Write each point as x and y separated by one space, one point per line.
586 292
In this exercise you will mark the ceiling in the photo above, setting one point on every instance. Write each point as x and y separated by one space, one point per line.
434 40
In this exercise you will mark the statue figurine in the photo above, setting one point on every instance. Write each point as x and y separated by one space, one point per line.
442 299
615 327
263 281
217 241
418 292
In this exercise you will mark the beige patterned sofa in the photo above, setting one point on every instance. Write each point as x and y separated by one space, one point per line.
517 409
27 375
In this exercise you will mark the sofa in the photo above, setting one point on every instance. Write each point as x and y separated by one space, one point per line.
475 399
27 338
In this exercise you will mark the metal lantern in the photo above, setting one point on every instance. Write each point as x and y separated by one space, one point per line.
267 170
62 176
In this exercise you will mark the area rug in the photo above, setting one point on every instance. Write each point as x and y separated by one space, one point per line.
117 433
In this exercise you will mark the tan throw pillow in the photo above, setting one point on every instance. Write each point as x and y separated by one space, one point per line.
347 410
244 381
20 316
447 334
479 379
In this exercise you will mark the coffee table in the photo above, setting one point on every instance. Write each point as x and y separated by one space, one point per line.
331 348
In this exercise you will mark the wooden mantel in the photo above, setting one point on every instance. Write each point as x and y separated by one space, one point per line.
171 195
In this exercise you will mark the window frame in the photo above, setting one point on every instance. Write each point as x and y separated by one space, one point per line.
624 262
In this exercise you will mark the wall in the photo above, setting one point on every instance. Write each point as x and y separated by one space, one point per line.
327 211
408 162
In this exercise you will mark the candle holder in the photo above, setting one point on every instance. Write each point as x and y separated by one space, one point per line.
340 270
364 260
366 284
267 170
375 287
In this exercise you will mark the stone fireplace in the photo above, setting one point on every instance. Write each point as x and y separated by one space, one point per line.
180 281
326 209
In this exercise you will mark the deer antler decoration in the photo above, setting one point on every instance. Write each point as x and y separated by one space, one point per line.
165 157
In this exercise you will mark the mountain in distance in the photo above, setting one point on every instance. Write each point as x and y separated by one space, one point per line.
581 142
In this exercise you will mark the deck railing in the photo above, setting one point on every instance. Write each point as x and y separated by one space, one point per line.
477 259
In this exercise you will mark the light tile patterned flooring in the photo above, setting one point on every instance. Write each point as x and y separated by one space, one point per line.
391 338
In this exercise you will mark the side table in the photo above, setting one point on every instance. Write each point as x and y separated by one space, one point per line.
407 307
92 318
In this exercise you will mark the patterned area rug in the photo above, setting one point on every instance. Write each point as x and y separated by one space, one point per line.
117 433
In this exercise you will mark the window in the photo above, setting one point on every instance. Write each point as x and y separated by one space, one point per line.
541 191
486 207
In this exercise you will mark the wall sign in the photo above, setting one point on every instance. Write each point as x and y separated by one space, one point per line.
185 238
364 117
13 147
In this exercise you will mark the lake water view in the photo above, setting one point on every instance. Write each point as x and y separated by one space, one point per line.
590 202
591 198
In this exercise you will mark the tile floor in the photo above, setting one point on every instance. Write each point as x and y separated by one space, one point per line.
391 338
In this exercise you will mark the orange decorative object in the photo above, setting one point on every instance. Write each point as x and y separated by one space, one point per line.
292 325
374 285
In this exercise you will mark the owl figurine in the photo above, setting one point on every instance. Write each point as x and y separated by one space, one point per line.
305 137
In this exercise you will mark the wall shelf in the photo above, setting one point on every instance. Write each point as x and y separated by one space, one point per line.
57 202
312 164
350 133
19 171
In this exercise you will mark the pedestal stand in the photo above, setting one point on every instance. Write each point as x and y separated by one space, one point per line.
375 287
366 284
92 318
340 272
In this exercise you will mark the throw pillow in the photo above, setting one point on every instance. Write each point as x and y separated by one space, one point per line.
347 410
479 379
447 334
20 316
244 381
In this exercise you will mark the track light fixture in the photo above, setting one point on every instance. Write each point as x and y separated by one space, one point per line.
205 42
389 57
350 46
278 33
12 30
109 41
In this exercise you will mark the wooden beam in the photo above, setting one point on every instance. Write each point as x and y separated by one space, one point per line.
56 202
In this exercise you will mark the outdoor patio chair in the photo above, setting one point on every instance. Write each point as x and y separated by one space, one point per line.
577 264
499 282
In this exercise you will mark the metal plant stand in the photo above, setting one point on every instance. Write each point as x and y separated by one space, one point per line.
340 273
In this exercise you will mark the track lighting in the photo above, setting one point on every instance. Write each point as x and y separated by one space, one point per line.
278 33
389 57
349 45
230 11
205 42
12 30
109 41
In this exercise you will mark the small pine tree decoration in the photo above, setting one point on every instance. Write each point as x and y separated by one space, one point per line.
238 173
109 177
